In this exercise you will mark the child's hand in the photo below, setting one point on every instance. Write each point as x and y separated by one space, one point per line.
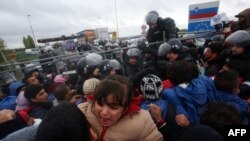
155 112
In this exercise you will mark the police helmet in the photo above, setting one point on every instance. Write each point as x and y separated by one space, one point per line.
240 38
87 63
29 68
117 51
164 49
101 47
108 44
115 44
221 18
175 44
115 64
107 65
151 17
133 52
7 78
61 66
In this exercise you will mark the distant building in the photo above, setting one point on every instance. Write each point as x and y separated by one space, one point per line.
89 35
102 33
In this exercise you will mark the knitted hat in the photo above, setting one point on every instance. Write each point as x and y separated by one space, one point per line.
90 85
151 86
59 79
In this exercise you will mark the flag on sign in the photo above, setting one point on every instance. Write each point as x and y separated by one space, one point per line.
200 16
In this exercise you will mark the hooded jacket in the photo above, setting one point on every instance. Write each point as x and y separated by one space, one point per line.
15 87
191 99
8 102
136 126
238 103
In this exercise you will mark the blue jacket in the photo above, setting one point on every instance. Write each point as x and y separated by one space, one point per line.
163 104
8 102
14 87
238 103
191 100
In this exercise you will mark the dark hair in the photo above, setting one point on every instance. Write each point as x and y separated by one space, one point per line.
117 86
65 122
194 52
180 72
215 47
194 70
226 81
218 114
47 82
237 65
25 79
60 91
32 90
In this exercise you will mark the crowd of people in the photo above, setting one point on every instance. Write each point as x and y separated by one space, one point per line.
158 92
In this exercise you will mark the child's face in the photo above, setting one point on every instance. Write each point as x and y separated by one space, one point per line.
108 113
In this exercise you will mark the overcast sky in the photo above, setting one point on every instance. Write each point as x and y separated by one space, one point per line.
53 18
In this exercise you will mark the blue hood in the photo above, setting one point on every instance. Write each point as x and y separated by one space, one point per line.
14 87
194 97
200 91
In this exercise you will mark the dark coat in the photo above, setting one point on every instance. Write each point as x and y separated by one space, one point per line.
39 109
165 27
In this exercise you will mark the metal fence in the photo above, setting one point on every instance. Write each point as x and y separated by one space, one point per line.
16 66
